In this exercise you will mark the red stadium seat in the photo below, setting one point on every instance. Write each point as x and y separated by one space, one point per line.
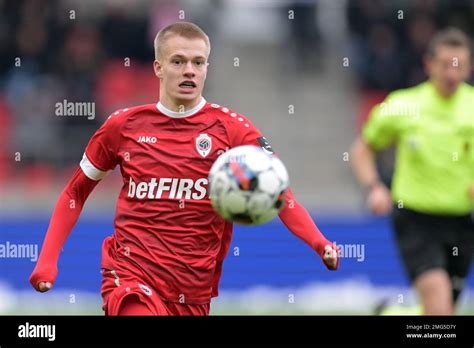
119 86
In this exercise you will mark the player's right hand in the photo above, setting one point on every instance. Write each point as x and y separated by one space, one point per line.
379 200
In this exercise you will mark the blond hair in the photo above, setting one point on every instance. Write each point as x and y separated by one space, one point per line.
451 37
184 29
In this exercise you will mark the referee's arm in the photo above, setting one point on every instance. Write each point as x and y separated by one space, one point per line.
379 199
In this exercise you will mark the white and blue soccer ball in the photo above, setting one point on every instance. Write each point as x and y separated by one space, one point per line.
248 185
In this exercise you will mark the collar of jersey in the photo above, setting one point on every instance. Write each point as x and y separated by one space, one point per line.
176 114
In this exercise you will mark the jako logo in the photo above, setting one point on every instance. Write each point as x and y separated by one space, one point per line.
175 187
146 139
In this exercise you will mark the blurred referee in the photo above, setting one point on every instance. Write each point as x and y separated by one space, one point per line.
432 193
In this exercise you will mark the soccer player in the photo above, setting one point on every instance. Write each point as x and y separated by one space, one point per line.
166 254
432 193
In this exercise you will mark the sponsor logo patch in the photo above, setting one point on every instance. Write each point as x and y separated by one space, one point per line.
145 289
146 139
265 145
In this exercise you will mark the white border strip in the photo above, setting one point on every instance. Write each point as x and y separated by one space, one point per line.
90 170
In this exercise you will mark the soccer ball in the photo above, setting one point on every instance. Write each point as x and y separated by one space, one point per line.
248 185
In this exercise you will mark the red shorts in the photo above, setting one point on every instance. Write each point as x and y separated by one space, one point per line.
115 288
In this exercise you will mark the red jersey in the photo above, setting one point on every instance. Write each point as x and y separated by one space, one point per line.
166 232
167 236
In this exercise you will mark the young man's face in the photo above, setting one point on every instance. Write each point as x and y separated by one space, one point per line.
448 68
182 70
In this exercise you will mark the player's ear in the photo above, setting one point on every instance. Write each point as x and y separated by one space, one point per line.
158 68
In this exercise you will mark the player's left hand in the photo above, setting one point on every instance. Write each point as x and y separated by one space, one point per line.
331 257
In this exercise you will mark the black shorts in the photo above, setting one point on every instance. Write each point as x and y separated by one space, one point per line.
430 242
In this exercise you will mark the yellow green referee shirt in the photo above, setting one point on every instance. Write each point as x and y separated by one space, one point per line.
435 147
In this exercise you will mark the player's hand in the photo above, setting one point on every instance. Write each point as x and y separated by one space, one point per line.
379 200
471 192
43 276
44 286
331 257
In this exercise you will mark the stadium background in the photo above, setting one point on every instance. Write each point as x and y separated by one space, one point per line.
306 73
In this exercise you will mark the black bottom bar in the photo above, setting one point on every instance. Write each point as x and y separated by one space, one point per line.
317 331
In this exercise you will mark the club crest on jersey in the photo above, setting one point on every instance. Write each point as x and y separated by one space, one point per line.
203 144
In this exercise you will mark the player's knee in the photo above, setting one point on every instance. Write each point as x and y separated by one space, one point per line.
433 308
434 288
